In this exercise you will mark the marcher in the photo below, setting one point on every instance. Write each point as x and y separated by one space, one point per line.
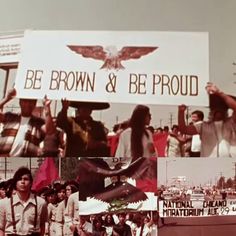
137 141
23 213
2 189
85 136
174 143
51 197
121 228
72 212
85 228
53 143
109 223
22 133
218 134
62 227
197 117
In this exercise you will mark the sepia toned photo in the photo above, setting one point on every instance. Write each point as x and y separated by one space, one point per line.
197 194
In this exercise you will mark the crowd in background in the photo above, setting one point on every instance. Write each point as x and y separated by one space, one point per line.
61 211
25 134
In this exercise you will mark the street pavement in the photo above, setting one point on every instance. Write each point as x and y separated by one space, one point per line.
198 226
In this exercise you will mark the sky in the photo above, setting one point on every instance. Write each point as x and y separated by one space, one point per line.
198 171
12 164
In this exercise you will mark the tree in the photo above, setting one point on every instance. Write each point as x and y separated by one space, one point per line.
69 168
229 183
221 183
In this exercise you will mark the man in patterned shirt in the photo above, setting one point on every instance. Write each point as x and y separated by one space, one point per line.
21 133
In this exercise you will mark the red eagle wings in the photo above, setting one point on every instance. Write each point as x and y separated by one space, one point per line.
110 55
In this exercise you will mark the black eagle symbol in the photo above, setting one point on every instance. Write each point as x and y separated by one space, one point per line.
122 191
110 55
95 170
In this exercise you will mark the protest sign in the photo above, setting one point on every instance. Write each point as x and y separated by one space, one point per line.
115 66
197 208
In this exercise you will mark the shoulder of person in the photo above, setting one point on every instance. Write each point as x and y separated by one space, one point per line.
125 131
9 116
73 196
41 200
149 132
4 202
97 123
61 204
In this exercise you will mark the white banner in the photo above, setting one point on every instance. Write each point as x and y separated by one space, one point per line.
10 46
94 206
115 66
196 208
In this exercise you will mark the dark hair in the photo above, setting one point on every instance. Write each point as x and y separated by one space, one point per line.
175 127
3 185
9 187
199 114
151 128
122 214
59 188
106 223
137 124
49 192
166 128
19 173
73 183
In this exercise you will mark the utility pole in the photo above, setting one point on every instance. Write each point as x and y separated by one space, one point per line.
222 180
6 162
160 122
171 120
117 119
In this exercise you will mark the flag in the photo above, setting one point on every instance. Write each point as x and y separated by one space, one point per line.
160 142
117 184
46 173
148 182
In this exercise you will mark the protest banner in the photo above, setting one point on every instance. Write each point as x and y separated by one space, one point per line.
115 66
193 208
111 185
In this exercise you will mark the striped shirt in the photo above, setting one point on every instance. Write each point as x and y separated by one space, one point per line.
32 138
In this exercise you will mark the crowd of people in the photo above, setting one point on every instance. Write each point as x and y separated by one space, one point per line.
25 134
195 193
54 210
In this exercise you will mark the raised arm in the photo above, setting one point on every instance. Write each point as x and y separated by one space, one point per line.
50 127
9 96
62 119
185 129
231 103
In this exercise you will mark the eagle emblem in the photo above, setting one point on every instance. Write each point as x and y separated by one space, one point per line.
111 57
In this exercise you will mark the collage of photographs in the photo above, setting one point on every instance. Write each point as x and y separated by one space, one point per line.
114 131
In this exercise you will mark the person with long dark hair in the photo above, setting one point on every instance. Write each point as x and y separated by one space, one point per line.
137 141
64 228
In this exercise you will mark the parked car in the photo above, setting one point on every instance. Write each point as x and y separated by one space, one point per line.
197 195
167 195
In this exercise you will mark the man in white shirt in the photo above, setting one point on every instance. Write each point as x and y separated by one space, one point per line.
197 118
217 134
23 213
